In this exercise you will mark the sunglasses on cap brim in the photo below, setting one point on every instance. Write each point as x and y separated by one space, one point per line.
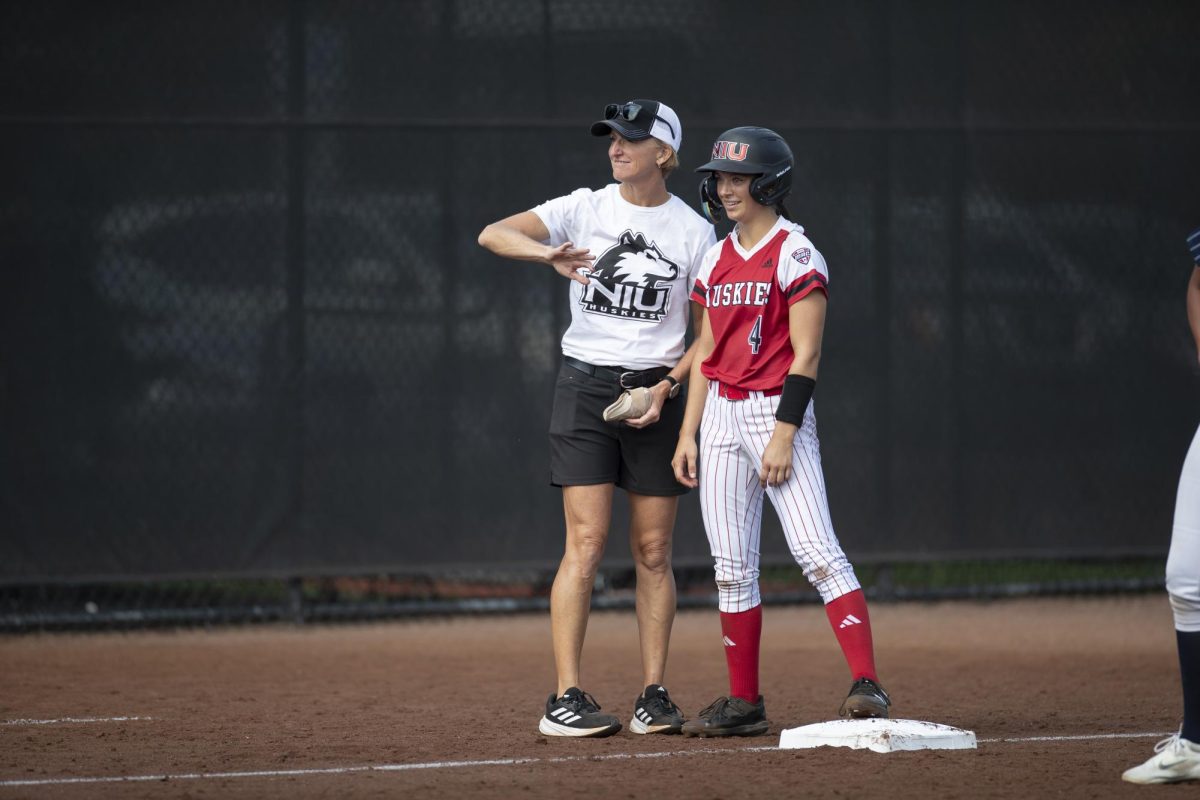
630 112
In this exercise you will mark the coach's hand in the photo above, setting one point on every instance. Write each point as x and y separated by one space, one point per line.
777 457
570 261
658 394
684 462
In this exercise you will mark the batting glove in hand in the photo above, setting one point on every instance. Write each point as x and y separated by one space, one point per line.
632 403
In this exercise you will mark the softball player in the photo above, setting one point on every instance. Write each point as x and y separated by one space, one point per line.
631 251
1178 758
763 290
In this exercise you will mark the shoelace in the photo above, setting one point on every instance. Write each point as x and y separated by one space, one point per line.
715 708
581 702
1172 742
660 703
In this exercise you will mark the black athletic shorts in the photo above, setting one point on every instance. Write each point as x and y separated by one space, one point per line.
586 450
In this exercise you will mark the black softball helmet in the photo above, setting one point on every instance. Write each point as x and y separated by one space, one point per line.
750 151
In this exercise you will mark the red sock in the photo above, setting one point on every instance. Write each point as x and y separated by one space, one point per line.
742 631
852 626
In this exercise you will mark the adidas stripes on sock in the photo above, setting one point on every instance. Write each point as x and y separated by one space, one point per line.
852 626
742 631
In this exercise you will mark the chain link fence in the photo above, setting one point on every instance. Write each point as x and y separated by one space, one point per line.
247 332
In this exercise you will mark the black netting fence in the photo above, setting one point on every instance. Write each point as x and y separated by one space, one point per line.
246 333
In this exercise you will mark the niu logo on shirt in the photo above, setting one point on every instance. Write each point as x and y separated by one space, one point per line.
631 280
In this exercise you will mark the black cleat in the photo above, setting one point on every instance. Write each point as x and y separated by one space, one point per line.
729 716
867 700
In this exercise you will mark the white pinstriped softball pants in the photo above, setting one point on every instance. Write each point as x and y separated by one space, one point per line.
1183 562
733 435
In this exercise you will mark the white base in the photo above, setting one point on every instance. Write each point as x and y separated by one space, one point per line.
879 735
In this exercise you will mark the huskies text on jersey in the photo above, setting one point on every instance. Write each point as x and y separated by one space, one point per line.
741 293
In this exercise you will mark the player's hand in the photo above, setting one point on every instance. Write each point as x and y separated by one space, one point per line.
570 261
684 462
658 394
777 457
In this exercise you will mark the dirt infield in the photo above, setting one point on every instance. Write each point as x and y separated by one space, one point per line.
308 711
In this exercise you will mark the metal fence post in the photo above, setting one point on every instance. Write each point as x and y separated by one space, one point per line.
295 265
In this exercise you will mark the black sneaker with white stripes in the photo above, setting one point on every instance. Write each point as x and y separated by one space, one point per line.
653 712
576 713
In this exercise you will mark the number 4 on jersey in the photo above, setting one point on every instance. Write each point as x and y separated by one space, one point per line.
755 337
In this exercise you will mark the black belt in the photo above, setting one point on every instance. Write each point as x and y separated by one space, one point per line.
625 378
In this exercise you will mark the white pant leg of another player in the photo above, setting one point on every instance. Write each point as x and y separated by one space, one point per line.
800 502
1183 562
730 504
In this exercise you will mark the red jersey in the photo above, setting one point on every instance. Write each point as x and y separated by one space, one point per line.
748 294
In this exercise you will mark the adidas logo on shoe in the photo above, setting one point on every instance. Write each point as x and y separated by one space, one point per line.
576 713
564 715
653 712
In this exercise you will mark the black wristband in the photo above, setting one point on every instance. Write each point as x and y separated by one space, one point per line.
797 391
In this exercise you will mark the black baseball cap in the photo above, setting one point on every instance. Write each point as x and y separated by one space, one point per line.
641 119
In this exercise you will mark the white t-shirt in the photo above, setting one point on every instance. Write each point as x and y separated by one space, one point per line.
634 311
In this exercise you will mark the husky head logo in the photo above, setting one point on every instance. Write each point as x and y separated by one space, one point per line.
632 280
633 260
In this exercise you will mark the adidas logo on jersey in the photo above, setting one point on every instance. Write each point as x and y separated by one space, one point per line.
850 620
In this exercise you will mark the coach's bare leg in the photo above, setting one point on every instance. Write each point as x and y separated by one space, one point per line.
588 511
651 524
